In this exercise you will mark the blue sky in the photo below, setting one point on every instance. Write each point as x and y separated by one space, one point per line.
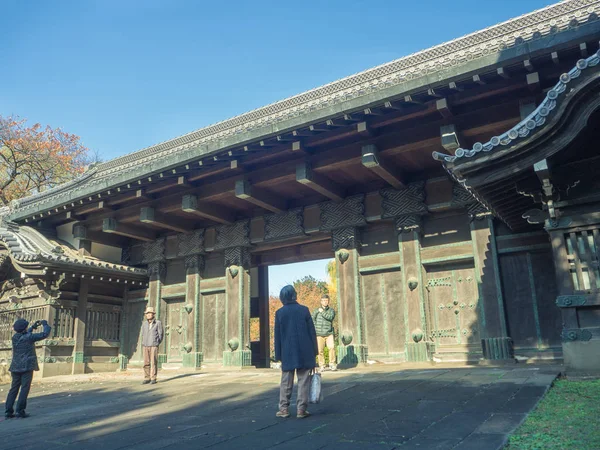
125 75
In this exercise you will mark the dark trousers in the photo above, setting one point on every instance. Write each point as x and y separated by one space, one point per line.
22 381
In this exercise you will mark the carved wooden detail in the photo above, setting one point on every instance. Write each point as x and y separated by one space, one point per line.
477 211
190 243
348 213
461 197
409 201
404 224
288 224
237 256
157 269
194 263
235 235
348 238
153 251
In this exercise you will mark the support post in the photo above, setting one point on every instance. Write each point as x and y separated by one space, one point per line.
237 284
409 246
80 325
495 342
124 332
352 349
157 271
263 314
194 264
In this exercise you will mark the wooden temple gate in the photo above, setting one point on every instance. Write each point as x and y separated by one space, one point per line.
441 259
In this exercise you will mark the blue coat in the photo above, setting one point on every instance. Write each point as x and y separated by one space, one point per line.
24 358
295 338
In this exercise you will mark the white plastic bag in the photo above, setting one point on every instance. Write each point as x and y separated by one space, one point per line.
316 393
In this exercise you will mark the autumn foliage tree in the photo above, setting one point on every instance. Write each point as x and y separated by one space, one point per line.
36 158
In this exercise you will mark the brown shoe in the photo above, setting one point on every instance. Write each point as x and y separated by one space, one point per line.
302 414
283 413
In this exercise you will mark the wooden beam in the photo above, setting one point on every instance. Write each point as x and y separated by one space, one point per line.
453 86
245 191
443 108
363 129
528 65
112 226
94 207
318 183
583 49
533 81
555 59
336 123
152 217
502 72
477 79
372 161
190 204
432 93
449 137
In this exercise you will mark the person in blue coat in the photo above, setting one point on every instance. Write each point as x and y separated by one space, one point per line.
24 362
296 348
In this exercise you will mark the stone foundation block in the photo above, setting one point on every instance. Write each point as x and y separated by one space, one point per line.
352 355
416 352
192 360
500 348
239 358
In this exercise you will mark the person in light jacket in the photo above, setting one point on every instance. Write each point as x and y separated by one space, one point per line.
152 336
296 348
24 363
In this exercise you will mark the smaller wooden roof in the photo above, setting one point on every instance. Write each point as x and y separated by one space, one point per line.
34 253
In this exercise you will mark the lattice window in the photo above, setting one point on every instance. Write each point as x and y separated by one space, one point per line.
64 323
102 325
8 318
582 254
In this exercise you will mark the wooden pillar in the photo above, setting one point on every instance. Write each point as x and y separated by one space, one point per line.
124 332
263 314
80 326
352 349
237 310
157 272
495 342
409 246
194 264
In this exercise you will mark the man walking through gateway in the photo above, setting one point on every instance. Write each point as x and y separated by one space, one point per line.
152 336
323 318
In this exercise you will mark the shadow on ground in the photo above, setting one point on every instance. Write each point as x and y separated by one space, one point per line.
376 409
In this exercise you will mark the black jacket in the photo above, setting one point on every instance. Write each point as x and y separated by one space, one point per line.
295 337
24 358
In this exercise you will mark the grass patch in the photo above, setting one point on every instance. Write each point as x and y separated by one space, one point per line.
568 417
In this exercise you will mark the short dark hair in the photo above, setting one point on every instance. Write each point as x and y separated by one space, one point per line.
288 294
325 296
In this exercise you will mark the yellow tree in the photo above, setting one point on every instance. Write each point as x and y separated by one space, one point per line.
33 159
332 287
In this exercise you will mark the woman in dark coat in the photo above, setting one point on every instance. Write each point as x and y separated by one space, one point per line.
296 348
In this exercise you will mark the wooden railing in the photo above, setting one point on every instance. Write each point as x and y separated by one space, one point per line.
103 323
64 323
8 318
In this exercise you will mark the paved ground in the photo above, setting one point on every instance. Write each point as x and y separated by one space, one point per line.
380 407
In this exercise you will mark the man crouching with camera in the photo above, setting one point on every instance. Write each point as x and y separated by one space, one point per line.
24 362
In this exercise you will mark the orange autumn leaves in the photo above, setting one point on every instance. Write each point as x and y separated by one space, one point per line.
35 158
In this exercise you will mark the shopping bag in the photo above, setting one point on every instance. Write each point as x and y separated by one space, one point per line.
316 393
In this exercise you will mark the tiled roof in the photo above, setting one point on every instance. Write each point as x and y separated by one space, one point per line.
28 246
521 30
530 124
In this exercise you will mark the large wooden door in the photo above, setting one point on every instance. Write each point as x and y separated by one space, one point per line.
453 309
213 329
176 329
